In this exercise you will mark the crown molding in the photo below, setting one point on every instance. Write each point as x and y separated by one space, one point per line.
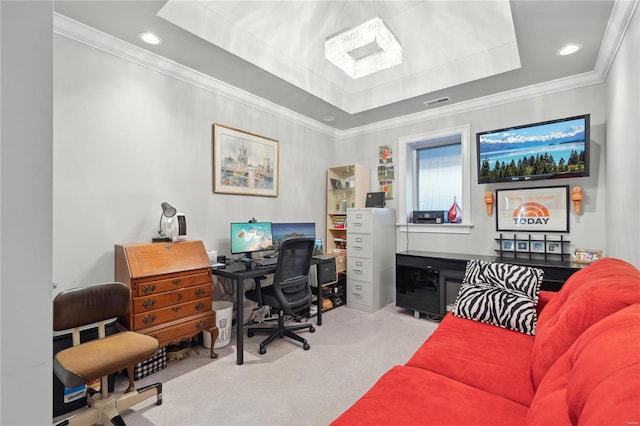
621 16
94 38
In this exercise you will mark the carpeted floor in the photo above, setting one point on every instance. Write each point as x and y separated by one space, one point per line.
287 385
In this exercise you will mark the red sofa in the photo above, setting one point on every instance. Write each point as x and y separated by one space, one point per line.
581 367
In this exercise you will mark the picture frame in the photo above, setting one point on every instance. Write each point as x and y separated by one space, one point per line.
522 246
553 246
537 246
245 163
586 256
507 245
539 209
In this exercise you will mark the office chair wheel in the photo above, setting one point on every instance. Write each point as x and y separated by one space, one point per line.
306 346
262 350
249 333
312 330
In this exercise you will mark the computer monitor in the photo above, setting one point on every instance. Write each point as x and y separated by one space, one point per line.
282 231
251 237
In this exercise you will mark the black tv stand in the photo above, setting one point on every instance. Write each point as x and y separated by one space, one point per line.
428 282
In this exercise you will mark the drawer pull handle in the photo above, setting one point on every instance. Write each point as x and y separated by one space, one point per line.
200 324
358 263
357 247
357 223
176 309
199 292
357 271
358 240
199 306
148 288
358 287
148 303
149 319
357 294
179 296
359 216
176 281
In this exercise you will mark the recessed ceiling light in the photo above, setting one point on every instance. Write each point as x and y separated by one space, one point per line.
149 38
328 118
569 49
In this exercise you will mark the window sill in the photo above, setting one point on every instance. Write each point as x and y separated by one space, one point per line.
442 228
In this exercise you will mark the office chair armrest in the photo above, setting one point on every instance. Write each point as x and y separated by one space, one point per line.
258 284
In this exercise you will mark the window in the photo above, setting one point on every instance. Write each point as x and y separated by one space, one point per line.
433 168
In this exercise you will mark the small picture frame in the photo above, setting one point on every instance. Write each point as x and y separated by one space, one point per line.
553 246
522 245
507 245
537 246
586 256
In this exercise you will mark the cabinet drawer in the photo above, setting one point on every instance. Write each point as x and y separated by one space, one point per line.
174 333
168 283
359 245
358 292
359 221
359 268
157 301
170 313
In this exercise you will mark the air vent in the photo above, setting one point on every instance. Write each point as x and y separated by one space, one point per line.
437 101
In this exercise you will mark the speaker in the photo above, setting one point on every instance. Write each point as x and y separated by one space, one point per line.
182 227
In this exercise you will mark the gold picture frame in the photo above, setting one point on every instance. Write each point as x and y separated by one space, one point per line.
586 256
245 163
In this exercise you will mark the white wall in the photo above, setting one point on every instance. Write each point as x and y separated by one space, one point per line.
585 229
127 138
25 208
623 149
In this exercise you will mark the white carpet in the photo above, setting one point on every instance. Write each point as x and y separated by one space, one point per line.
287 385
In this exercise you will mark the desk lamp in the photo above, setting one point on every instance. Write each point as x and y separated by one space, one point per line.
168 211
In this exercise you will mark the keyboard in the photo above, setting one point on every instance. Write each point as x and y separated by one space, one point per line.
266 261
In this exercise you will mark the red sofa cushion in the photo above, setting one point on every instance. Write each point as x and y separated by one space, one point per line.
597 381
486 357
413 396
589 295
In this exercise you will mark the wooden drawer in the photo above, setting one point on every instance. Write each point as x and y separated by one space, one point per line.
154 285
359 268
358 245
157 301
171 313
358 292
359 221
174 332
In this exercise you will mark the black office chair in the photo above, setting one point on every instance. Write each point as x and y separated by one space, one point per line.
290 293
85 362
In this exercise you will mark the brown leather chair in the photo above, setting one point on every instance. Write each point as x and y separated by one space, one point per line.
97 359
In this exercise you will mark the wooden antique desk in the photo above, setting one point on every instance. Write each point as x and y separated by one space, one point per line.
171 286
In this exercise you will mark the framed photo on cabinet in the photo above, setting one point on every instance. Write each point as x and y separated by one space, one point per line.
244 163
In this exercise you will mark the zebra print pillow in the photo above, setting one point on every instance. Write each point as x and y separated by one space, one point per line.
500 294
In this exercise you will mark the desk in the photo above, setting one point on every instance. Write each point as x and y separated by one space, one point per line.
238 273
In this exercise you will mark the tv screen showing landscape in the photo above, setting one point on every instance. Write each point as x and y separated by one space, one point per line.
551 149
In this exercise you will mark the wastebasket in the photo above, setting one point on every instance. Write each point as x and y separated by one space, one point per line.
224 313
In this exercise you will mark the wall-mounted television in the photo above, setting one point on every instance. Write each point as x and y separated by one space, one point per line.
546 150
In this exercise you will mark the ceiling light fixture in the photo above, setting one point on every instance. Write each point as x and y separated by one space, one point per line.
364 49
569 49
149 38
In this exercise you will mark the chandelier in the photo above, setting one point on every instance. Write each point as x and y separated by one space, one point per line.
364 49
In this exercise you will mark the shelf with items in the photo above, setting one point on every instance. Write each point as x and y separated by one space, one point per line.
347 187
533 247
333 294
